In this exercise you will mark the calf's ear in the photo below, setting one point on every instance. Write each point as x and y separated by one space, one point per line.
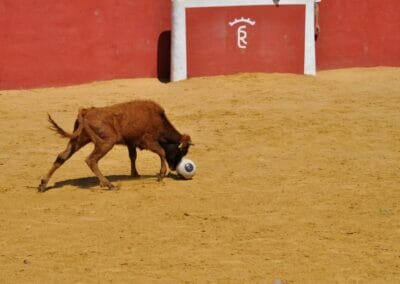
185 141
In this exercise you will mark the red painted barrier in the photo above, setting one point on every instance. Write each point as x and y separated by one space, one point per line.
52 43
45 43
359 33
275 43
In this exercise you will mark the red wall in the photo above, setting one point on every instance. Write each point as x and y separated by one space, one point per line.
47 42
52 43
359 33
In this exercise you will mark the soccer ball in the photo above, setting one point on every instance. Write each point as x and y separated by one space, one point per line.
186 168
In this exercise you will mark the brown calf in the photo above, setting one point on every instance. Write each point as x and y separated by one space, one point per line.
141 124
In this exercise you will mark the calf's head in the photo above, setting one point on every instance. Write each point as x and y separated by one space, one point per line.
175 152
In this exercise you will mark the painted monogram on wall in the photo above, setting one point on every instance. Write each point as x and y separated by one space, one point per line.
241 32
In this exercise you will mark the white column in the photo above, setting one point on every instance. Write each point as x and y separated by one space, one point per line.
178 42
309 42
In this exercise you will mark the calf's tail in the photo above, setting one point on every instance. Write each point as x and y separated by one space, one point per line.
77 129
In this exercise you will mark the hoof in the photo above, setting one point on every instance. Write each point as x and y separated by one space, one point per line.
42 186
107 185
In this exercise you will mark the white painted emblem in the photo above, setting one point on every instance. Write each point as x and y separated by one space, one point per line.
241 33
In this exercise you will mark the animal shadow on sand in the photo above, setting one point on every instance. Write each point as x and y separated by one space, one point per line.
90 182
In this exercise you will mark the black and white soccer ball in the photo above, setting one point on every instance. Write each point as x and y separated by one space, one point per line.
186 168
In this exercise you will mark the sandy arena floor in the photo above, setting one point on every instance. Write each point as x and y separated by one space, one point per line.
298 179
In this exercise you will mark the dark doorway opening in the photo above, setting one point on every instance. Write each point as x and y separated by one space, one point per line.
164 56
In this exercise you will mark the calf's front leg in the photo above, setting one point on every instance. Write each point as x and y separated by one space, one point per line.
132 157
155 147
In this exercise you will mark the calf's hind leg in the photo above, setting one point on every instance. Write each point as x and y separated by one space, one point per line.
100 150
73 146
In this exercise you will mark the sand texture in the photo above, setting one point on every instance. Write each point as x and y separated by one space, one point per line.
298 179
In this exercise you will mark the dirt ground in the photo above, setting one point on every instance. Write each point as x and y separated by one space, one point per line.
298 179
